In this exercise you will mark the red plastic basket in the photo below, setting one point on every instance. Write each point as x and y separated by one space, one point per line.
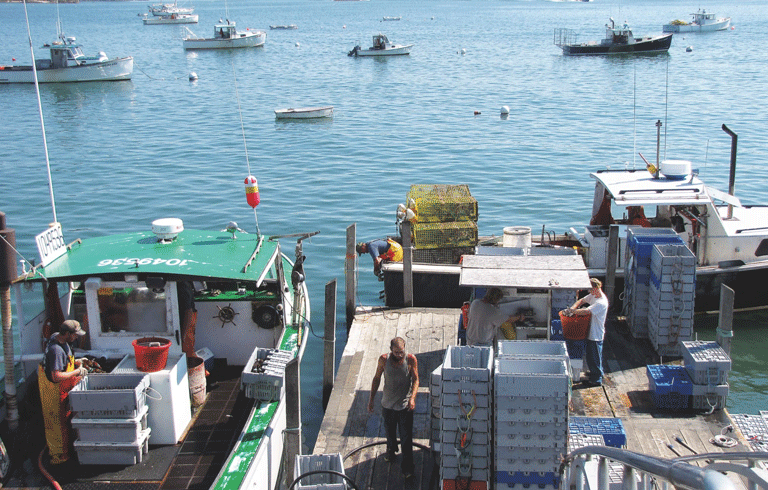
151 353
575 327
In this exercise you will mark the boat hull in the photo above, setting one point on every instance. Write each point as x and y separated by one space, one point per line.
112 70
716 26
655 44
394 51
253 39
304 113
182 19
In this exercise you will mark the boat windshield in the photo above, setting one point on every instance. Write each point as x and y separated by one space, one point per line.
136 309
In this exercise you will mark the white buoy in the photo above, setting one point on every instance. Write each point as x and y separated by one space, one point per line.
463 51
298 44
505 109
192 76
689 49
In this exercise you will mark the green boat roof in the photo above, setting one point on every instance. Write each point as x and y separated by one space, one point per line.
192 254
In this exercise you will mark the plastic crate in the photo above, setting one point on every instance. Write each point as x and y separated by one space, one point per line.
321 481
110 395
532 377
467 363
706 362
612 429
207 356
111 430
527 479
527 348
113 453
671 401
267 385
664 379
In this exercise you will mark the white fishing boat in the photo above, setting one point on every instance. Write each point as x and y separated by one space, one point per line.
702 21
67 63
164 9
285 27
386 19
171 19
304 112
381 47
225 36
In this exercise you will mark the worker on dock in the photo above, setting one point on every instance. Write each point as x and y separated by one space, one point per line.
57 375
485 318
401 384
598 307
381 250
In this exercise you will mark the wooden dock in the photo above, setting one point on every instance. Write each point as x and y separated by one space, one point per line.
348 428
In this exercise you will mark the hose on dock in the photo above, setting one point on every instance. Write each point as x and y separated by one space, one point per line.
45 472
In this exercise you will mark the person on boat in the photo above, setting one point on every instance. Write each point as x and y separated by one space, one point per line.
401 384
486 317
636 216
57 375
598 308
603 215
381 250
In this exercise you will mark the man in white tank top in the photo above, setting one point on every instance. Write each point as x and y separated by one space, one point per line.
401 384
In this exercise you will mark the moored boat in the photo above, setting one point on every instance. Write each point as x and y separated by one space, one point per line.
67 63
164 9
304 112
284 27
381 47
225 36
618 40
702 21
171 19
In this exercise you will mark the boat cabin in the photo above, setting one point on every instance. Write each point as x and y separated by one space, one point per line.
702 17
618 35
225 31
380 41
66 53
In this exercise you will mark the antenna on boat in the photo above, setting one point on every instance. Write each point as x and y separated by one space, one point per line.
40 110
245 145
634 116
666 110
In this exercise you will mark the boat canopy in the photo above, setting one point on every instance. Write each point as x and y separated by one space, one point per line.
639 187
524 271
193 254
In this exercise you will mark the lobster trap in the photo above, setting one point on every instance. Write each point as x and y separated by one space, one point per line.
451 234
436 203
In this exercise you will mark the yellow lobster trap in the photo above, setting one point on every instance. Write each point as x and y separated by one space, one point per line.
437 203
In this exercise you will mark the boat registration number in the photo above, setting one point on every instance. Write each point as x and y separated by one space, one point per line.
50 244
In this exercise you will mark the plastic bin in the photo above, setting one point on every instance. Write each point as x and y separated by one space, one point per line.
321 481
117 453
575 327
111 430
110 395
151 353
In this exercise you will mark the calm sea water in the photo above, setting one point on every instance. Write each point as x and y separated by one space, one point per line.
123 154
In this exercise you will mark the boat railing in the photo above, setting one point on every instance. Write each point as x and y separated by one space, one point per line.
564 36
641 471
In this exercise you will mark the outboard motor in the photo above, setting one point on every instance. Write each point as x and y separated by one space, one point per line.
354 51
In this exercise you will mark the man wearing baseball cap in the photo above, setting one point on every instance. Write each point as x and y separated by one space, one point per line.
58 374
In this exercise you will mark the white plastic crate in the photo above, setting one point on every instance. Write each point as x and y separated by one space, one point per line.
528 348
706 362
267 385
109 395
449 439
467 364
111 430
532 377
435 380
321 481
118 453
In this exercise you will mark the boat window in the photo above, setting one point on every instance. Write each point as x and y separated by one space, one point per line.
136 309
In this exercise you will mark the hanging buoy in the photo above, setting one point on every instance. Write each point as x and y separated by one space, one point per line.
192 77
252 191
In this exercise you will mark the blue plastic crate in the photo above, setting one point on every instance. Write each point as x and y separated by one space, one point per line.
526 478
664 379
612 429
556 332
642 246
671 401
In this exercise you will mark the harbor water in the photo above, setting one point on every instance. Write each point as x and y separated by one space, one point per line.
123 154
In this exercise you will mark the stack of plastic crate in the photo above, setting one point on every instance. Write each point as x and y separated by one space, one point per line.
263 374
530 417
435 387
465 418
708 365
754 428
610 428
637 273
445 227
671 387
111 418
314 463
673 288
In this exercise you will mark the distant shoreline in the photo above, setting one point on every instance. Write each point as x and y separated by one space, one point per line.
60 1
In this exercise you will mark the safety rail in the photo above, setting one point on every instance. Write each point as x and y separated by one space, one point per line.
643 472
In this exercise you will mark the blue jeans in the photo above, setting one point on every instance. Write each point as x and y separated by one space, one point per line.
594 360
402 420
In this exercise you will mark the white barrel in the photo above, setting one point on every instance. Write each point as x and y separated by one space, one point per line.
517 237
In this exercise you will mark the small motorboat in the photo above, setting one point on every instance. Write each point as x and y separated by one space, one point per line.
164 9
304 112
285 27
618 40
390 18
381 47
226 35
171 19
703 21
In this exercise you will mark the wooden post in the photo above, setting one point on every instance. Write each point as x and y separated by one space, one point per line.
350 274
725 318
292 418
329 341
407 264
8 273
610 264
